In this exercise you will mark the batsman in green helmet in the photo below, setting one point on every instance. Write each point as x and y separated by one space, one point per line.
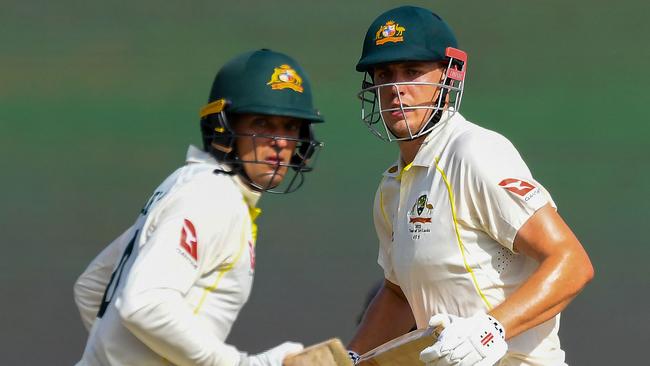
169 288
469 241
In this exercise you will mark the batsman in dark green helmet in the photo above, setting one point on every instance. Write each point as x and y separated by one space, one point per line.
410 34
471 245
258 120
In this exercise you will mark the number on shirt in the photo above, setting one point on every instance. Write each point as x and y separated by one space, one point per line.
115 277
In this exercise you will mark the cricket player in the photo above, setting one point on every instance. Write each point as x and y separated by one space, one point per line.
468 239
168 290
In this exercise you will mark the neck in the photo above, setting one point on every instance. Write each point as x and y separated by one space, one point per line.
408 149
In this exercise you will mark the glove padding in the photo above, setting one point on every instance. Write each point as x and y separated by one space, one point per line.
273 357
478 340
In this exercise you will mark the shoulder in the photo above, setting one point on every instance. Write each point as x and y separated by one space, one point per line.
475 145
201 190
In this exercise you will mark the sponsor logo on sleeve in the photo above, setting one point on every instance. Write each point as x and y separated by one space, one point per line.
520 187
189 241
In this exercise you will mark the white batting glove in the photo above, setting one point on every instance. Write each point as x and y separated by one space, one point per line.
273 357
475 341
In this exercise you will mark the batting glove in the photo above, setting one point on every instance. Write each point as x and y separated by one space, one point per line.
273 357
475 341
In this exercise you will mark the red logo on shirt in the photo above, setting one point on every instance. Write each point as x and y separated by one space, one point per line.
422 220
251 252
188 239
517 186
486 338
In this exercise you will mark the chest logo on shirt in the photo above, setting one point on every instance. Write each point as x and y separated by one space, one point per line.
420 217
189 241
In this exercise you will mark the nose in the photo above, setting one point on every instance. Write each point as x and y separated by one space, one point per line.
391 91
279 143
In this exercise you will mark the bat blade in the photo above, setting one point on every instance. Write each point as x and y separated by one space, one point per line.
328 353
404 350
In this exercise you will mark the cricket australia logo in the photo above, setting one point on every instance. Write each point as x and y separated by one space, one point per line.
420 217
389 32
285 77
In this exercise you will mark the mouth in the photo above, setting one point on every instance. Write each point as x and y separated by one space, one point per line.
398 110
273 160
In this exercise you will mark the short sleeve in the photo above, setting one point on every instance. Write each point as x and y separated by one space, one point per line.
498 191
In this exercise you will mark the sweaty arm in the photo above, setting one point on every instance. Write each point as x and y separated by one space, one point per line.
90 286
388 316
564 269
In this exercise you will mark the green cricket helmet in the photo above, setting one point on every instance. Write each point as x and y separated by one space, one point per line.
261 82
403 34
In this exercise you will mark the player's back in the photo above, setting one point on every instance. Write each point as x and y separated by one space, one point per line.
109 341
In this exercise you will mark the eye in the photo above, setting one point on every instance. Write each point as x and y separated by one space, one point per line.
292 126
381 75
259 123
413 72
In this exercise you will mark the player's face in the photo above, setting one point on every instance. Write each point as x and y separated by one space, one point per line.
409 95
267 146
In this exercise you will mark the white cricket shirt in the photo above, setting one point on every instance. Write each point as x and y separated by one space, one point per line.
446 225
176 280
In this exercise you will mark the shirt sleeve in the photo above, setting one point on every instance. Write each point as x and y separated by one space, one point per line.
90 286
498 192
384 229
183 242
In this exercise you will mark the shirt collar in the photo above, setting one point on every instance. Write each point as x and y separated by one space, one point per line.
431 145
397 169
250 196
427 152
196 155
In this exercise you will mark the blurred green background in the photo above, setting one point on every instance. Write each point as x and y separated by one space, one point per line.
99 100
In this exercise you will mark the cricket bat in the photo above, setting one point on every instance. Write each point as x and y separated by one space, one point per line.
328 353
403 351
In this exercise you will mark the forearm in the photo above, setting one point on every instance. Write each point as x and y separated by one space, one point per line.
90 286
546 293
167 325
388 316
88 297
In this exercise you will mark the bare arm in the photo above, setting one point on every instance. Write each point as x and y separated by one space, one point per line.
564 269
388 316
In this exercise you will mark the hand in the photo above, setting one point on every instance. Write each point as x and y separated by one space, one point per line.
273 357
478 340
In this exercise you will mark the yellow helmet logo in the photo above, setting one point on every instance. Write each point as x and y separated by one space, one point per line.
285 77
389 32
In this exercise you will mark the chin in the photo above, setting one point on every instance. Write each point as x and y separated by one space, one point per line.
267 180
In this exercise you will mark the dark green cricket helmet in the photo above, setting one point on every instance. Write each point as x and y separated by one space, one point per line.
265 82
260 82
404 34
407 33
